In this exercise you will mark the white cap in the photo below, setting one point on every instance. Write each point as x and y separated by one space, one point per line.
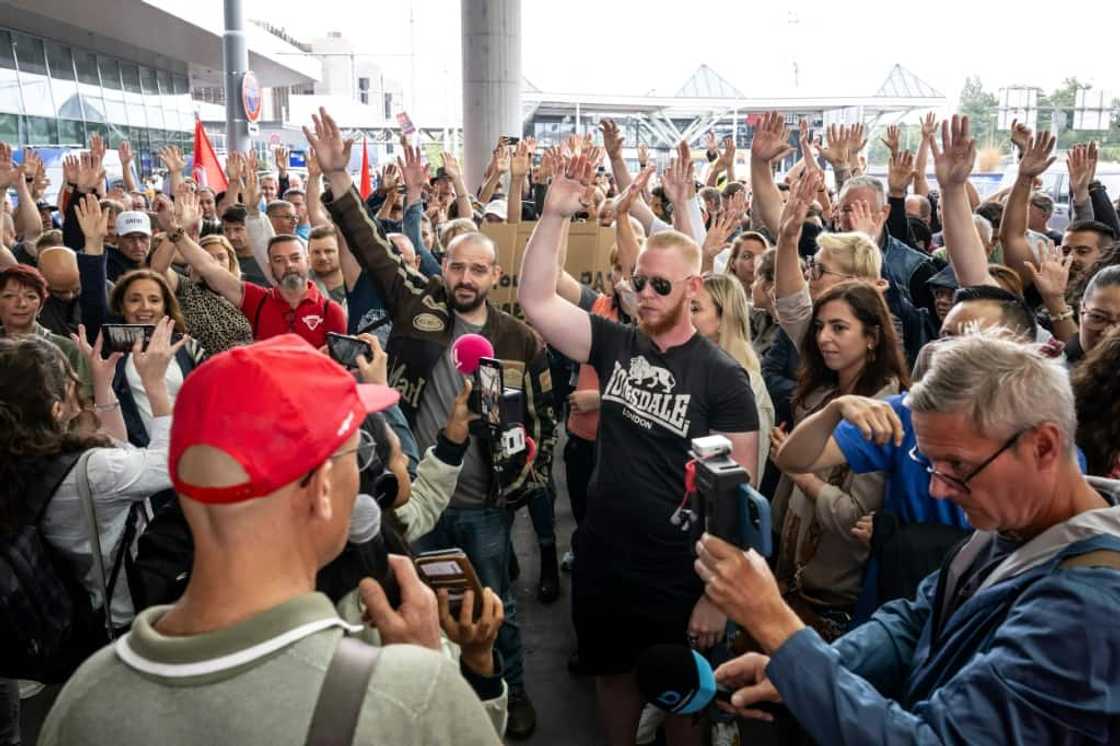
133 221
498 208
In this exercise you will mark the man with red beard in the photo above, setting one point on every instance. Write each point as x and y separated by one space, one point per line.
662 385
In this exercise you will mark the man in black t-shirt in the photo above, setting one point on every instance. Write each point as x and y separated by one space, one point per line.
661 385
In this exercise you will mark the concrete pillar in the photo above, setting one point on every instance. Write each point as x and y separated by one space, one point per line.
491 80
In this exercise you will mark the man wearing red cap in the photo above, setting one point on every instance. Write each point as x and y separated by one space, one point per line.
240 658
295 305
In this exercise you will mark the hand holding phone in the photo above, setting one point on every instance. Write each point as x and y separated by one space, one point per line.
415 621
345 350
123 337
451 570
475 635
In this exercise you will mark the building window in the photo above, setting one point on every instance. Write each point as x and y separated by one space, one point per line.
363 90
10 100
388 105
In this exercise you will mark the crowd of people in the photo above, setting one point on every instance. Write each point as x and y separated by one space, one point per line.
220 514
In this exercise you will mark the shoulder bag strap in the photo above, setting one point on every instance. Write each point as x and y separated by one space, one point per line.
335 720
108 583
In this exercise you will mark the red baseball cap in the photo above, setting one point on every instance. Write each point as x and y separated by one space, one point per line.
279 408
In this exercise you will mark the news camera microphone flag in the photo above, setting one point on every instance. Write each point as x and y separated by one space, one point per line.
675 678
467 350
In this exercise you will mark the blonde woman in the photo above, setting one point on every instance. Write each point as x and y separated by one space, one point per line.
720 313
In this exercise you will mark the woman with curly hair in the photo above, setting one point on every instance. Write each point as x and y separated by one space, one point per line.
1096 386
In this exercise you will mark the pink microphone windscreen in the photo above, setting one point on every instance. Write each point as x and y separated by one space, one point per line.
467 349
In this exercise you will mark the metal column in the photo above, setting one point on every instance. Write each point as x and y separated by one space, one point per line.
491 32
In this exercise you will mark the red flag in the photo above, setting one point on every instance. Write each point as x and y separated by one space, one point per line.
366 187
206 170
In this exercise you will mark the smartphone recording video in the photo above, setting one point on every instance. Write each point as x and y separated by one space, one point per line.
489 383
122 337
344 349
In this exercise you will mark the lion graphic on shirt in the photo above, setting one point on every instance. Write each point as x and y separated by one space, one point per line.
641 370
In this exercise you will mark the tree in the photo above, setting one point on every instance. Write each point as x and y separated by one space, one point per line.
981 107
1061 100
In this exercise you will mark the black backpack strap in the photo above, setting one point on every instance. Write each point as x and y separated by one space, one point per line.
41 490
257 313
335 720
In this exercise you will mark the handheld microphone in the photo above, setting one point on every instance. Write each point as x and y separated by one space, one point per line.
675 678
365 519
467 350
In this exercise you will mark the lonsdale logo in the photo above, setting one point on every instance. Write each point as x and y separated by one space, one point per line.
646 391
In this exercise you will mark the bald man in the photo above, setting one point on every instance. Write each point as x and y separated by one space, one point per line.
662 385
61 311
240 658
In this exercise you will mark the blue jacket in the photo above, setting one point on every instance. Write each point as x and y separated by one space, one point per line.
1033 657
899 264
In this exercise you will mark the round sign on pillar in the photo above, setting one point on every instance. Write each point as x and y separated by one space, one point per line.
251 101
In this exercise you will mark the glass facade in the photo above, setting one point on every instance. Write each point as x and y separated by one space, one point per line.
52 94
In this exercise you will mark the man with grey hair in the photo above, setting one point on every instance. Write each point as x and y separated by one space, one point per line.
908 269
918 206
1015 638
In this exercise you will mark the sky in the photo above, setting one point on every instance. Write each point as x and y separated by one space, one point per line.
627 47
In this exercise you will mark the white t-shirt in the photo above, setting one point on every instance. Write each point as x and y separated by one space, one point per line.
174 379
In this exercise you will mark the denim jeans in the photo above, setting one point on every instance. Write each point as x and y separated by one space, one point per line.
484 534
542 512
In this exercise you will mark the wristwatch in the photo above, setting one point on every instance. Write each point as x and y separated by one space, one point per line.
175 235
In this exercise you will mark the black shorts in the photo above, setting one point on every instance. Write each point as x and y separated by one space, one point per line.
617 615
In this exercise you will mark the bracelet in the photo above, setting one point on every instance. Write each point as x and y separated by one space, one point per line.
107 407
1066 314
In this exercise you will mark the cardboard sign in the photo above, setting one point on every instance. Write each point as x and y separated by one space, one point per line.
589 247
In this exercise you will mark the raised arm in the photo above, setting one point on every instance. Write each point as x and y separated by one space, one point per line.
163 253
563 325
771 141
519 165
175 163
612 143
93 223
316 213
680 187
921 160
788 278
124 153
217 278
499 165
462 196
26 218
721 229
390 178
953 163
837 151
1037 157
415 174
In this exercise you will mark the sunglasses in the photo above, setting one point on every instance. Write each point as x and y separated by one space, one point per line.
660 285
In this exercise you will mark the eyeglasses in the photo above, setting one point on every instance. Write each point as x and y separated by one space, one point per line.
660 285
1094 319
817 270
961 484
366 450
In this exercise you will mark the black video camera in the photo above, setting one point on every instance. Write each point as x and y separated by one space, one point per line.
723 502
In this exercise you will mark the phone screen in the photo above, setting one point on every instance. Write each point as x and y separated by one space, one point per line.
122 337
490 390
450 570
345 350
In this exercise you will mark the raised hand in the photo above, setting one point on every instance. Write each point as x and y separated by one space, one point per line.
796 209
101 371
33 167
1051 273
281 156
502 159
124 152
451 167
807 155
187 210
953 160
867 220
9 172
165 213
70 166
313 170
710 145
1020 135
571 190
93 221
727 158
375 370
929 125
151 362
633 191
900 172
390 178
521 160
251 186
857 140
235 167
612 138
720 230
331 149
90 172
643 155
677 180
97 146
835 150
1081 161
891 139
771 138
172 158
1038 155
412 169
